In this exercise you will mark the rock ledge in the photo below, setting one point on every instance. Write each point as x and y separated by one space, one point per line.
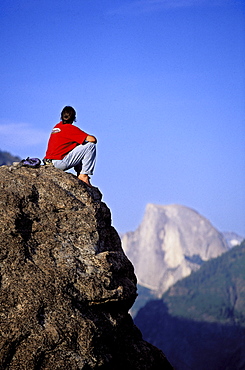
66 284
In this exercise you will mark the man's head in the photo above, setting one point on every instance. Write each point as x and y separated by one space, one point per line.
68 115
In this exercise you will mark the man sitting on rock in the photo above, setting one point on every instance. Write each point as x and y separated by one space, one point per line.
68 147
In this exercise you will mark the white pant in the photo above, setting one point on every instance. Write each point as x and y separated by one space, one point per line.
82 158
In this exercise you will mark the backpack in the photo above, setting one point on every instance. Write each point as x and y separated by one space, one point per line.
30 162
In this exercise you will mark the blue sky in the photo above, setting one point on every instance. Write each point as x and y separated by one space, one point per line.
160 83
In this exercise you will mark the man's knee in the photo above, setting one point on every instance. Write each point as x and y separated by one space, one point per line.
83 150
90 146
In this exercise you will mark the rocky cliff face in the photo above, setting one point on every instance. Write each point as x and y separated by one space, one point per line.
171 242
66 284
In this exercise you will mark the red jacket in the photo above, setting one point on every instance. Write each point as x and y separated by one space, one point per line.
64 138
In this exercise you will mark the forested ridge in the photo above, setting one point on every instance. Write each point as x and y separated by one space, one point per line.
7 159
215 293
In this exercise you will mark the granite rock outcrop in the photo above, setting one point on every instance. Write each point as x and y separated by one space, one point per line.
66 285
170 243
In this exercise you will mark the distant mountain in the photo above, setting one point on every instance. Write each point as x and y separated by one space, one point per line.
7 159
232 239
171 242
200 321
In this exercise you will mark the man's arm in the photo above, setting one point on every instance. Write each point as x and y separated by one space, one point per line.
91 139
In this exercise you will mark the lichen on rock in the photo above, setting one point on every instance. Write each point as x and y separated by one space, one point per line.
66 284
